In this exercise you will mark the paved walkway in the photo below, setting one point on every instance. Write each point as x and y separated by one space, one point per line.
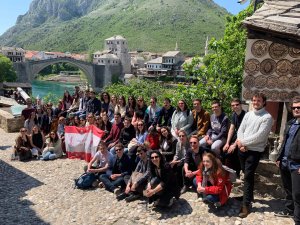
39 192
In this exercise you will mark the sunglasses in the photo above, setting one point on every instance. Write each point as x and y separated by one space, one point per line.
193 142
23 131
181 135
296 107
154 157
118 150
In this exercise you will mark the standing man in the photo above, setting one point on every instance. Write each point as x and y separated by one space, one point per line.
230 148
252 138
201 119
289 164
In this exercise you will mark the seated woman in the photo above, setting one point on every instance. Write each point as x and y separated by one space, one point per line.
162 186
53 149
22 147
213 181
152 139
121 107
105 125
181 148
37 141
167 144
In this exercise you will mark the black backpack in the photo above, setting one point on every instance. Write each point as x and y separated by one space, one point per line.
85 181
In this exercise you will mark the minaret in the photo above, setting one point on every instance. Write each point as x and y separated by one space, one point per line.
176 47
206 46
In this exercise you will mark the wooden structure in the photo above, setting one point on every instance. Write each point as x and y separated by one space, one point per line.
272 63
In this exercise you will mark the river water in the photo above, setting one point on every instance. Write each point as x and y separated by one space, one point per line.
42 88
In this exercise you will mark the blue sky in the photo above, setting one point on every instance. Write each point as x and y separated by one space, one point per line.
11 9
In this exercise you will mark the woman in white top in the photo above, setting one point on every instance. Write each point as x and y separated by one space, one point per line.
121 107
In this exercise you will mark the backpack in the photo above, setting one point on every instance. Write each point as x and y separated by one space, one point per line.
85 181
232 173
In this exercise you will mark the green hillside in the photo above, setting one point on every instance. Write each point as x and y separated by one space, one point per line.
149 25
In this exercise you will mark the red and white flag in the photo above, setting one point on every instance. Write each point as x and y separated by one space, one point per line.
82 142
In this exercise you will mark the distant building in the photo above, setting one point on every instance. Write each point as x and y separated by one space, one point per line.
170 64
13 53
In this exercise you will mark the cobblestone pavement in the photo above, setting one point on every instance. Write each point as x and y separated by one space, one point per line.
39 192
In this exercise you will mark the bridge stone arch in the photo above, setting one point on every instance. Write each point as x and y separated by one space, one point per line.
36 66
98 75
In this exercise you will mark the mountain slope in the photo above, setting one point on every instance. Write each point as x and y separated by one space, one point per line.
150 25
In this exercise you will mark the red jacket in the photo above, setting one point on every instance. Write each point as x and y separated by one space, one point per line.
222 186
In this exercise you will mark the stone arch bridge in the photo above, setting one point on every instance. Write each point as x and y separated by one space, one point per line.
97 75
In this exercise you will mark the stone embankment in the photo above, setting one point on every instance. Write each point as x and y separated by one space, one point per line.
40 192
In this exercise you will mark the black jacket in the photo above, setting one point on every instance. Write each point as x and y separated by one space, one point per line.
127 134
294 151
122 166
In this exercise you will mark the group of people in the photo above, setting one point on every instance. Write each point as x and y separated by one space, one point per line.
162 152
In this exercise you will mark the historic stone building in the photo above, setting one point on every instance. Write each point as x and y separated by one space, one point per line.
115 53
14 54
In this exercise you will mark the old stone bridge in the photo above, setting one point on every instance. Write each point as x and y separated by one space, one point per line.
97 75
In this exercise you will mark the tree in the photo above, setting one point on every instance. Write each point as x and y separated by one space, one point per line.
222 75
7 72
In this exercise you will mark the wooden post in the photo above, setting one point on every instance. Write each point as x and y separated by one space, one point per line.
283 120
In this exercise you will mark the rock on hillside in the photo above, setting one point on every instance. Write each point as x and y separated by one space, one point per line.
150 25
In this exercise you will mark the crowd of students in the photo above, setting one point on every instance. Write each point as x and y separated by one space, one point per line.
147 150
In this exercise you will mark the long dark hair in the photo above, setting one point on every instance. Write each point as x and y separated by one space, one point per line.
138 132
54 140
185 105
169 137
124 100
102 97
161 161
67 99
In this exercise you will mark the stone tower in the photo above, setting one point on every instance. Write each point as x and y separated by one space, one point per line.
117 45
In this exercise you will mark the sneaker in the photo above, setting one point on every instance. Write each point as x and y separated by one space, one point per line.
95 184
117 191
132 197
184 189
170 203
284 213
101 185
244 212
122 196
217 204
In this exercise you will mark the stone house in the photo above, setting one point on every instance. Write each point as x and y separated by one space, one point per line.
13 53
272 62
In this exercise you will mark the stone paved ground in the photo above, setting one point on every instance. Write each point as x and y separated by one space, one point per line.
39 192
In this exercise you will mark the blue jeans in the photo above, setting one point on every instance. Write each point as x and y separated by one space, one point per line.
110 184
49 156
211 198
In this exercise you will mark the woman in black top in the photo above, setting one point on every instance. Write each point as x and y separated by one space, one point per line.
167 144
162 186
37 140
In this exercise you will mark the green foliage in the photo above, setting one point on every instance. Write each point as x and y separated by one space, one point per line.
221 77
50 97
7 72
147 25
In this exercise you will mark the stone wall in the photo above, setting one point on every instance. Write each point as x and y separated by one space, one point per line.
9 123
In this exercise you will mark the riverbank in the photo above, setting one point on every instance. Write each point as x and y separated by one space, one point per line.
62 78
